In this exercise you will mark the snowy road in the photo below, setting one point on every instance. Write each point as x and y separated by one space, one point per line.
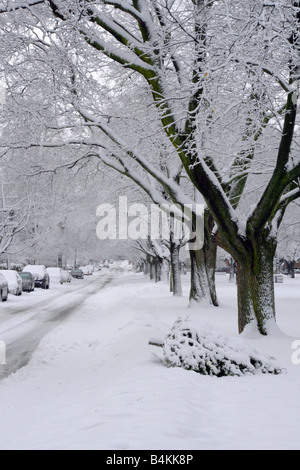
26 320
93 383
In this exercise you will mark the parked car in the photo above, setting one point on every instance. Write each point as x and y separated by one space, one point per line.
15 283
28 282
77 274
3 288
40 274
86 270
56 275
67 276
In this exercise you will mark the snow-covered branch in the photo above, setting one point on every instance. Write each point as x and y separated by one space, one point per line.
290 197
15 5
13 221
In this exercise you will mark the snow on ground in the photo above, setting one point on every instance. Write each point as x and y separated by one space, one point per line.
94 383
16 313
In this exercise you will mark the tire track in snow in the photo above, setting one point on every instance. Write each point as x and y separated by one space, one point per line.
20 350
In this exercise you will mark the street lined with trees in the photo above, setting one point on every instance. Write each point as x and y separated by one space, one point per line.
188 99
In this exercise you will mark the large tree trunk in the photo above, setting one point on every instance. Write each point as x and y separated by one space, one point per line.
158 263
255 279
175 274
199 280
203 286
210 252
152 269
165 270
147 266
203 264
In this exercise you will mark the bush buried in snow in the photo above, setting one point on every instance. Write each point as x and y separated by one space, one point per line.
201 349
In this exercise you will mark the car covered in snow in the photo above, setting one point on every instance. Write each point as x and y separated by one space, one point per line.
77 274
3 288
87 270
66 276
56 275
40 274
15 283
28 282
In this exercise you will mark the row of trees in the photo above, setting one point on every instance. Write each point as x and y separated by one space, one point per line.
191 99
47 216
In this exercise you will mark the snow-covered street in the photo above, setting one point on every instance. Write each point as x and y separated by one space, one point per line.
24 322
94 383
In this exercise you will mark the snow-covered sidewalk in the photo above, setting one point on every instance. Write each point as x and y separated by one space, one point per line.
94 382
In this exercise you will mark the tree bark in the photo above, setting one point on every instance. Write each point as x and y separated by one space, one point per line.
165 270
152 269
210 252
158 269
147 266
199 280
255 280
291 268
203 264
203 285
175 274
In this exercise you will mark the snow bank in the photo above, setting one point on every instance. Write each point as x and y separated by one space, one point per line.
205 350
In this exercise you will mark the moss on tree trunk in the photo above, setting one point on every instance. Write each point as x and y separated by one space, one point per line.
255 279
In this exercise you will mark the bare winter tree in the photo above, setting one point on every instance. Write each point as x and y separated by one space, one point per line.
14 215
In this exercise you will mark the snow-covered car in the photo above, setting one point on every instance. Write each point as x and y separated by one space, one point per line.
56 275
28 282
40 274
86 270
3 288
67 276
77 274
15 283
91 268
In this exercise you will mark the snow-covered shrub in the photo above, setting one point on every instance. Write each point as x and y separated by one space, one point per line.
208 352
